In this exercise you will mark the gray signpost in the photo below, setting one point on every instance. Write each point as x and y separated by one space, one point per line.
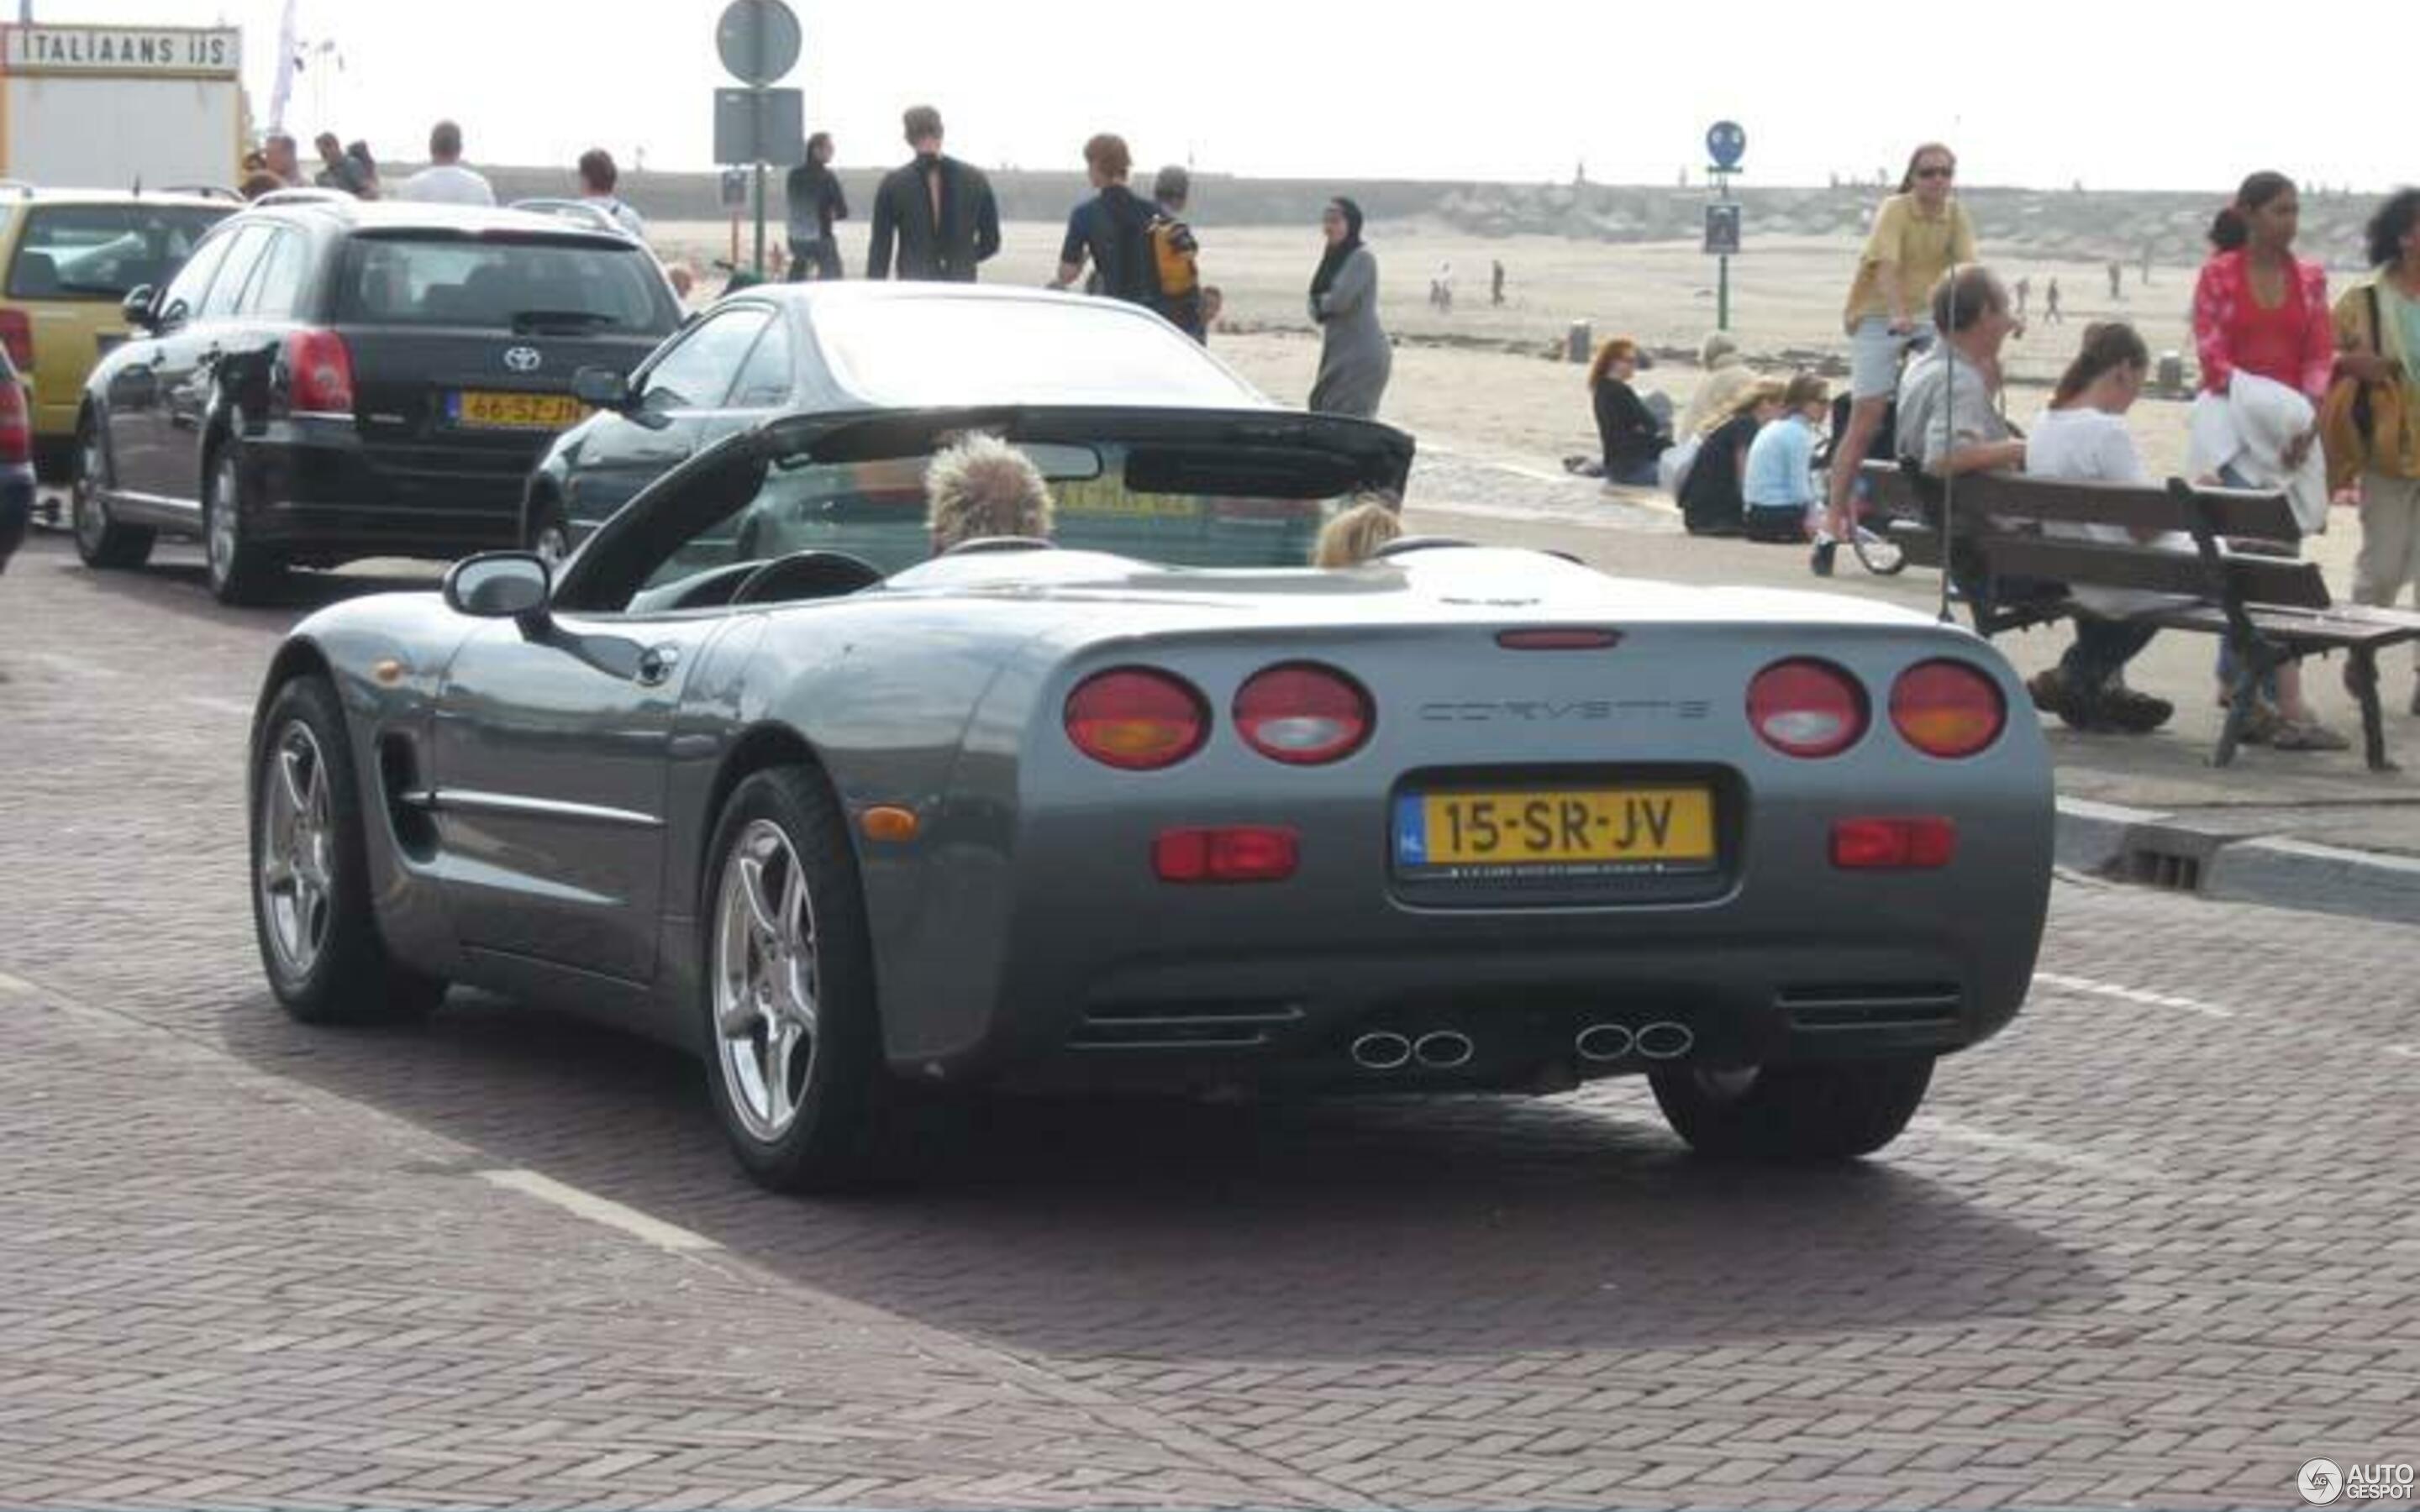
759 43
1726 143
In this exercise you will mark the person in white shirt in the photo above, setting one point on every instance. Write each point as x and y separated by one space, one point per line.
598 176
445 181
2083 436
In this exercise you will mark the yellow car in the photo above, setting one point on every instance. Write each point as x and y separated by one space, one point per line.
68 259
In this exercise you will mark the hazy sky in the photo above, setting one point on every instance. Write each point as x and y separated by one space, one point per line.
2118 93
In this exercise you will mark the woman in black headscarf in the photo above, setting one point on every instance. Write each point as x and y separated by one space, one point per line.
1354 357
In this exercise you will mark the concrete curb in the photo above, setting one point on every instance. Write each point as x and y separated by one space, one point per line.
2274 870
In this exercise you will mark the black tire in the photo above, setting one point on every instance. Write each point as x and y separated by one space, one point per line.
845 1129
242 571
1823 1111
349 978
100 541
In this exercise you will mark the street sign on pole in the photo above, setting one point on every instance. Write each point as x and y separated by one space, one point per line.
759 41
1726 143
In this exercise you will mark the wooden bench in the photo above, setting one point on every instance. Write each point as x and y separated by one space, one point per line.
2271 606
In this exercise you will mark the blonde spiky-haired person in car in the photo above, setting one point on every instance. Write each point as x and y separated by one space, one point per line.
983 487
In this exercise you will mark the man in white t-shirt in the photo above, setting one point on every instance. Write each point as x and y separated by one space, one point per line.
445 181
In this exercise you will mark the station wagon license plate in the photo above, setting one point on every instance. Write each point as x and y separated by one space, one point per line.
492 410
1555 831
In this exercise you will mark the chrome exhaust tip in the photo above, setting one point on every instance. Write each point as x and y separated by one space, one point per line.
1443 1050
1381 1050
1665 1041
1602 1043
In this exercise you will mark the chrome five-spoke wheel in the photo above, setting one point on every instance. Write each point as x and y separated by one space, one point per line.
765 981
297 851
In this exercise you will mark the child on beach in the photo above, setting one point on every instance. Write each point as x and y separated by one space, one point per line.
1779 487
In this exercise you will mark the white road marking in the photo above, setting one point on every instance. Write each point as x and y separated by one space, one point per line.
604 1210
2131 995
2038 1150
221 706
70 666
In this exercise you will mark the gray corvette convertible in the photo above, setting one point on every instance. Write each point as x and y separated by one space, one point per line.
1151 806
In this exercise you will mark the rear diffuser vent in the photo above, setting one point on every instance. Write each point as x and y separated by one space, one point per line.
1855 1004
1159 1025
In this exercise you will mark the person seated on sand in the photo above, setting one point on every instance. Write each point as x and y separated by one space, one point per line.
1627 431
981 487
1779 483
1355 536
1711 500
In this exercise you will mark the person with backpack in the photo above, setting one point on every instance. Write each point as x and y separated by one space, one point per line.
1112 230
2371 422
1175 257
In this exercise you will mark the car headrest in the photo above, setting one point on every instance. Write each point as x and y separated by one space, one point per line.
36 276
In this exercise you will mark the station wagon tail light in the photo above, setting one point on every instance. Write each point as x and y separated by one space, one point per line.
1948 708
323 369
1241 853
1804 707
1303 713
1137 718
16 424
16 335
1921 844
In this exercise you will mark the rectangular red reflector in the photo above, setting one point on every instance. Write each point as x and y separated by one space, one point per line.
1894 844
1245 852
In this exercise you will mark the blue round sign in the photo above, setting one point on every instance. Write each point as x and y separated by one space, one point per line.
1725 143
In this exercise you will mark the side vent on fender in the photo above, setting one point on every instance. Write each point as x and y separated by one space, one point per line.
407 811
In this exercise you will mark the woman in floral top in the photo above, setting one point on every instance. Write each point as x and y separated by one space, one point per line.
2260 309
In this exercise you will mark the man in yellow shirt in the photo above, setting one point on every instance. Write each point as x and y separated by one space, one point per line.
1920 233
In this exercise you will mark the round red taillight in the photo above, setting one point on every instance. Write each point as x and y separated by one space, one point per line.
1303 713
1948 708
1804 707
1137 718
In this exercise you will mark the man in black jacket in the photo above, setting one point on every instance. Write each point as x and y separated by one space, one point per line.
939 211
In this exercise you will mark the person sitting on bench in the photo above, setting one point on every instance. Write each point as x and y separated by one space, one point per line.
2082 436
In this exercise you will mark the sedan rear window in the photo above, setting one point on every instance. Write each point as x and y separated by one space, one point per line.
941 350
105 251
565 287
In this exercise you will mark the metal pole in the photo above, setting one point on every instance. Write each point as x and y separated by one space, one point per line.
1722 261
760 220
1949 438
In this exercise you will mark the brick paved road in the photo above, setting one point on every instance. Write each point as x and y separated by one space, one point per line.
2156 1245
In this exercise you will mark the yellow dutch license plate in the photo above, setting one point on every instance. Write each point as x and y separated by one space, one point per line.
1574 830
489 409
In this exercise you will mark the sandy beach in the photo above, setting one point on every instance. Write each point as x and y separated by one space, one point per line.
1479 377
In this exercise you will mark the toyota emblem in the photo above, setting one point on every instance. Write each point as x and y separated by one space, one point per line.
522 359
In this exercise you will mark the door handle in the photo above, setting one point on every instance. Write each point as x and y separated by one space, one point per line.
656 663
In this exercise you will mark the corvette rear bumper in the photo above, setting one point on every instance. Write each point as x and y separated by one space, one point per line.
1524 1008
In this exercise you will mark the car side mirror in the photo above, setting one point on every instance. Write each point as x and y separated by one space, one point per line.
501 585
601 387
136 307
